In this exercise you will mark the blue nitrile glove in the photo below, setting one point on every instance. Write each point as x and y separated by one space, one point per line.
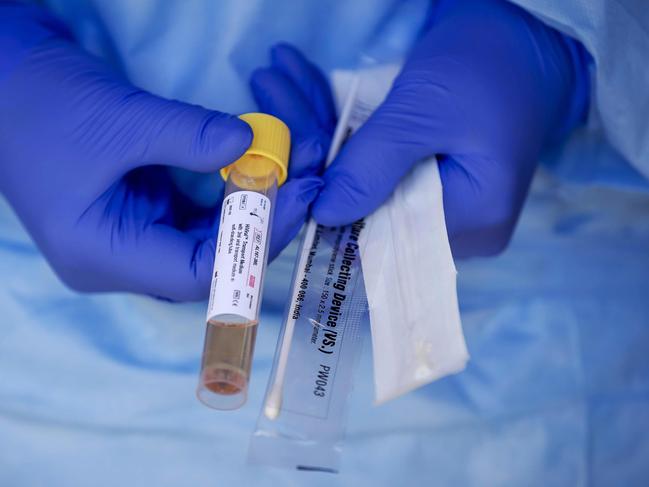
293 89
485 89
82 156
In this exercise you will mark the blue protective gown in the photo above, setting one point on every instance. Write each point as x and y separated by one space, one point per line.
99 390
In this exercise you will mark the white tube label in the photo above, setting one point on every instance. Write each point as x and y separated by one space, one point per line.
240 255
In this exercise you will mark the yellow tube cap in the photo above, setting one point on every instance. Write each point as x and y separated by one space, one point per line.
271 139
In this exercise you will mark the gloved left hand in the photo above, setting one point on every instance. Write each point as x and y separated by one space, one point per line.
486 89
81 155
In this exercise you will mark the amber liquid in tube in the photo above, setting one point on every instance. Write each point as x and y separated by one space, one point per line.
230 337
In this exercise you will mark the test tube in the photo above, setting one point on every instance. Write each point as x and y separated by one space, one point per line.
240 263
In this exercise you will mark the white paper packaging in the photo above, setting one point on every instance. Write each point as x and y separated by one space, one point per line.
410 277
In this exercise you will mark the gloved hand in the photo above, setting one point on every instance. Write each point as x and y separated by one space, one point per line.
82 155
296 91
485 89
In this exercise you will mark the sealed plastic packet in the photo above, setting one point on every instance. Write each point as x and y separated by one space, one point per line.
407 286
302 422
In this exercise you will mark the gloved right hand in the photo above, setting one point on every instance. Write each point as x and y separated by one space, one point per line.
81 155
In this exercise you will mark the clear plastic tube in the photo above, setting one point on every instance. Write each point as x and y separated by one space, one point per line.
239 268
